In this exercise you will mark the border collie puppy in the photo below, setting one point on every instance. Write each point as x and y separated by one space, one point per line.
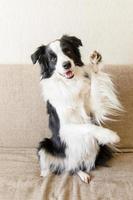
78 99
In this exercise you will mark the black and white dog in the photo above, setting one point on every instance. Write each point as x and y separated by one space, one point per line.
78 99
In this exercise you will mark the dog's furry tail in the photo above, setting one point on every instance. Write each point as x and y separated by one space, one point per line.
106 152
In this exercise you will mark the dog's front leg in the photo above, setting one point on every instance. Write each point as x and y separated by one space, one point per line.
43 164
102 135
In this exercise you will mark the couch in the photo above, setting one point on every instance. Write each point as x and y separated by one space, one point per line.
23 123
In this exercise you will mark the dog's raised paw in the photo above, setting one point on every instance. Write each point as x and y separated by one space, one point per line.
95 58
111 137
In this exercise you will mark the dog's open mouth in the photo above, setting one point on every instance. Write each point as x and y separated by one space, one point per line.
69 74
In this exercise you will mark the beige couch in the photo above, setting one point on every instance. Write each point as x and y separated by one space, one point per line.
23 123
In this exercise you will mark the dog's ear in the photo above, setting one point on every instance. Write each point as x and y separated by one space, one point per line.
76 41
73 40
38 53
40 56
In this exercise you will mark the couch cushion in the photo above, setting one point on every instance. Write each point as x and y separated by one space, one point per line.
19 179
122 76
23 120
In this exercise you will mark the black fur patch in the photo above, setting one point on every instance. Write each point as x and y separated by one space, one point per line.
53 145
47 60
70 46
104 155
54 122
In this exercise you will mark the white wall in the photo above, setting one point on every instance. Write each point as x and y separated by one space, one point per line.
105 25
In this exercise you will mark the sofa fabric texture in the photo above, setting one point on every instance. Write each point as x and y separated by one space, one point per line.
23 123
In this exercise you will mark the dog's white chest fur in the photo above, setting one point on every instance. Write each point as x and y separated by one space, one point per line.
69 97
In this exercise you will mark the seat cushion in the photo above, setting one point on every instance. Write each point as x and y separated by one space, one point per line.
20 180
122 77
23 119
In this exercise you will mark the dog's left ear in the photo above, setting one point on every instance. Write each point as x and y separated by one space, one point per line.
37 54
76 41
73 40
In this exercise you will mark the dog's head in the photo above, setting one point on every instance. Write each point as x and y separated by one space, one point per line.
60 56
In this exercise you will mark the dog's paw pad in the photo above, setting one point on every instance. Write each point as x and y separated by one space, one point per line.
95 58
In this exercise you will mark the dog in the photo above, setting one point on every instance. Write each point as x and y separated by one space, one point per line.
79 98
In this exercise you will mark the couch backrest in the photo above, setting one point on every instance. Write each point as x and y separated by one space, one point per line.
23 119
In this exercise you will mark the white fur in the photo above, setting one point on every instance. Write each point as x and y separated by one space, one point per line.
103 98
46 160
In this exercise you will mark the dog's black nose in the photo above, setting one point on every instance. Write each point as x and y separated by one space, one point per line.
67 65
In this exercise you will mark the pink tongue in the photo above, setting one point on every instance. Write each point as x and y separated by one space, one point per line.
69 74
